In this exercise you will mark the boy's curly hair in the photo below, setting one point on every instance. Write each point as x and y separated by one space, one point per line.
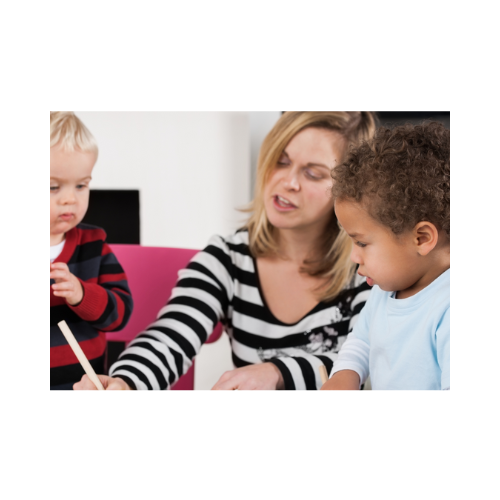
401 177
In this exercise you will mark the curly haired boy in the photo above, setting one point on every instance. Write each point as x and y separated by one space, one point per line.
392 196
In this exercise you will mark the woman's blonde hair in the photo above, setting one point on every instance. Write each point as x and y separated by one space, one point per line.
334 264
69 131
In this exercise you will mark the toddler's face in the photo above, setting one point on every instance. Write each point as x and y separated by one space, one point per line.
70 174
388 261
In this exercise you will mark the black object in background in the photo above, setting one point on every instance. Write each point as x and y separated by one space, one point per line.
117 212
392 118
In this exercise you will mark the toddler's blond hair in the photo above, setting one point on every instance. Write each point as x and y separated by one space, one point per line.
68 131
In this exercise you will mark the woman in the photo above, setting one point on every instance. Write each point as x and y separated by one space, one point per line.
283 286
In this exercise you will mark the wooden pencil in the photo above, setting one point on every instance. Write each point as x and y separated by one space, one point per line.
68 334
323 373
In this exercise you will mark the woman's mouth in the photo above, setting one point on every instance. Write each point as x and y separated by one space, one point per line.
66 217
282 204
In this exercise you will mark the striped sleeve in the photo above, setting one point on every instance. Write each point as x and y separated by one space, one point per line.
160 355
301 372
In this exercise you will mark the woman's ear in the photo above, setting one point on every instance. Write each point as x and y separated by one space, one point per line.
426 236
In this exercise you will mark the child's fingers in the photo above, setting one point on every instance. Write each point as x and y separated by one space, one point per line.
63 293
59 265
63 285
59 276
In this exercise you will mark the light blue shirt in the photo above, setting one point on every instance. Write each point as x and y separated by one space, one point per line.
402 343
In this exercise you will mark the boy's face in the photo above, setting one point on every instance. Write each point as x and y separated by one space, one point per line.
388 261
70 174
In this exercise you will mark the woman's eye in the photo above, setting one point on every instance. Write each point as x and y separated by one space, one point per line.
362 245
81 186
313 175
54 188
283 161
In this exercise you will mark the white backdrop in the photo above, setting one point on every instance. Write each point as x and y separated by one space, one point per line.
193 169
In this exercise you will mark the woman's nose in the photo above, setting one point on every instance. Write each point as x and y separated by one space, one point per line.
292 181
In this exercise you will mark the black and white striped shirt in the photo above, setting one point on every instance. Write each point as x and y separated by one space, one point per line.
221 284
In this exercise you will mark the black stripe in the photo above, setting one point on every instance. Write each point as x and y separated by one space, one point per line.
151 348
238 362
196 266
139 375
197 305
145 362
222 257
188 321
218 294
357 308
307 372
254 311
178 363
102 321
257 341
327 362
179 339
285 372
87 251
110 269
63 312
246 277
242 248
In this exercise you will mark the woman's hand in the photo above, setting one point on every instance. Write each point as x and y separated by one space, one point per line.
110 384
265 376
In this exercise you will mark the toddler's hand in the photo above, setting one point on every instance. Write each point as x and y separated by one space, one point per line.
66 284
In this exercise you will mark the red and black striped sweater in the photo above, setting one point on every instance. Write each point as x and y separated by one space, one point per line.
106 305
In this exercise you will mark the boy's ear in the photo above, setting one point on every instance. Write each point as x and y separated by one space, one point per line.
426 236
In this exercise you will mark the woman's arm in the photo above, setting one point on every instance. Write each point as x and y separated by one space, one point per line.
160 355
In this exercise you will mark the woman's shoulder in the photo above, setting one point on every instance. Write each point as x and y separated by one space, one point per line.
235 242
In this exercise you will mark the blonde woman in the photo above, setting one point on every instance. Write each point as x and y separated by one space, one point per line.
283 286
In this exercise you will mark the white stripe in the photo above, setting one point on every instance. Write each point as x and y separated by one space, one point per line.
164 345
218 269
176 326
199 275
264 329
203 320
245 353
247 293
243 262
238 238
145 353
196 293
296 372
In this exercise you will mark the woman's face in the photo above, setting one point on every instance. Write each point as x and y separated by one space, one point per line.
297 194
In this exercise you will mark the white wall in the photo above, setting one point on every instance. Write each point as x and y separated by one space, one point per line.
193 169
